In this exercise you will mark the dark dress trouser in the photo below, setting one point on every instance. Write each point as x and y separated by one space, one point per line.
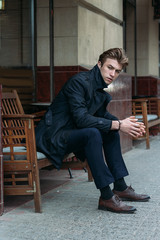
103 154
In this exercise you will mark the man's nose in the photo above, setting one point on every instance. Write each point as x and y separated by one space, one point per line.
112 73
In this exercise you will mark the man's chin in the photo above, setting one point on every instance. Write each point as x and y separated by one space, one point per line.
108 82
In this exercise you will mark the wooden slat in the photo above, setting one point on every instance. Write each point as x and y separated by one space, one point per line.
19 89
16 167
18 191
153 123
8 72
22 81
16 82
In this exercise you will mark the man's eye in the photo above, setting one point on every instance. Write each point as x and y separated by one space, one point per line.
110 67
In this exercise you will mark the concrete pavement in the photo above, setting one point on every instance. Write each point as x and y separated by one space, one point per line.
70 211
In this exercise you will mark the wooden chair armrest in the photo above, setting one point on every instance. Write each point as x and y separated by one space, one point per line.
17 116
146 99
39 114
140 100
153 98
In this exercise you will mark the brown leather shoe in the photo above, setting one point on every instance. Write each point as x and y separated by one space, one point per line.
130 195
114 204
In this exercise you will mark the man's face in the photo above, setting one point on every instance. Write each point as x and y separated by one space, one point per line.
110 70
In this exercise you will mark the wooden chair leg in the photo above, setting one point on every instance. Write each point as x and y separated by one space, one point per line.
86 167
70 173
90 177
147 139
37 191
37 201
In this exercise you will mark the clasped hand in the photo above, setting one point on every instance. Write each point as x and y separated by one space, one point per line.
131 126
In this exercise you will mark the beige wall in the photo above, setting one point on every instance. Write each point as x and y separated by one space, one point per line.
112 7
96 33
65 33
43 33
147 41
90 37
130 39
153 44
83 30
15 35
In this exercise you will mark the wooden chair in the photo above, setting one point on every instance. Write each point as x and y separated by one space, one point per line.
148 111
21 161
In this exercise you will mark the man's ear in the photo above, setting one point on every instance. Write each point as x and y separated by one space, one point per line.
99 64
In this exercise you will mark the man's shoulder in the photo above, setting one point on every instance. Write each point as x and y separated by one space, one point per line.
85 75
83 79
81 75
79 78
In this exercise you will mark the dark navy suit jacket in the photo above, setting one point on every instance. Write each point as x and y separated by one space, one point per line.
81 103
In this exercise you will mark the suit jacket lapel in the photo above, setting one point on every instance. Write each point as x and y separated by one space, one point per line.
98 100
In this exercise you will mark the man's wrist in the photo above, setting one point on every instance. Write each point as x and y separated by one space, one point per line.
116 125
119 125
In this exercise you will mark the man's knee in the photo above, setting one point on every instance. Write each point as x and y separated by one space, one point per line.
110 134
111 137
94 134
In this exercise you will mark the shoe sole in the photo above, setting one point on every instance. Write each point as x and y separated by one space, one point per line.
111 210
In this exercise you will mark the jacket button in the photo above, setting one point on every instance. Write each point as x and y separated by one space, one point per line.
100 122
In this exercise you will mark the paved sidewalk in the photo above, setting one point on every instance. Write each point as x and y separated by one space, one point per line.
70 211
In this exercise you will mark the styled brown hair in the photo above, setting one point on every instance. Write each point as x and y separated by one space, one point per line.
114 53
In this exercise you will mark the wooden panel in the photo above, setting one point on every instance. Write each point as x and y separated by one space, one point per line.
21 80
15 72
146 86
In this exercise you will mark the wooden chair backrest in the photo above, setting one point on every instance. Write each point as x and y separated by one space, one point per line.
153 106
11 103
139 109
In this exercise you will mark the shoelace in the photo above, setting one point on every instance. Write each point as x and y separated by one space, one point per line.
117 199
131 188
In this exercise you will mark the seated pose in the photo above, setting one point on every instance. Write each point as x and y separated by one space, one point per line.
77 121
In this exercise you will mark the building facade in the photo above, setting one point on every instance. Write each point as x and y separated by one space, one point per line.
43 43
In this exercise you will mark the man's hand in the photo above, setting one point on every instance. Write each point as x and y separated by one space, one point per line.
132 127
